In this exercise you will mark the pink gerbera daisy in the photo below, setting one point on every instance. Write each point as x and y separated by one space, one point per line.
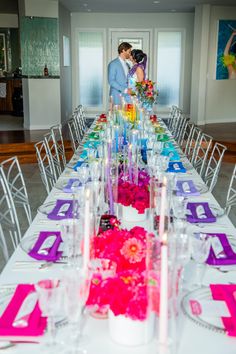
133 250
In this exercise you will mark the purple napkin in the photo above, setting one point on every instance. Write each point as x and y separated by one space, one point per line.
228 253
192 190
204 215
51 253
72 183
62 210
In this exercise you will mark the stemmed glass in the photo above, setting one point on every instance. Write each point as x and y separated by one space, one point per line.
51 296
179 207
95 170
182 248
201 244
83 174
72 234
77 285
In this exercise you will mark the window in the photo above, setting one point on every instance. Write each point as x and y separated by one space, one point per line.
91 61
168 68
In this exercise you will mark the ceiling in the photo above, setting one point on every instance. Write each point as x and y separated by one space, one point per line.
124 6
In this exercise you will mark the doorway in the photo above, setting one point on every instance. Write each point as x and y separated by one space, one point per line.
139 39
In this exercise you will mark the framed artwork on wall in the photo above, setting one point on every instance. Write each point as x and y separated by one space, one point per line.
226 51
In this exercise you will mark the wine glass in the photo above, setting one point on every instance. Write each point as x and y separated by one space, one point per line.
83 174
77 285
72 234
95 170
179 207
51 297
201 244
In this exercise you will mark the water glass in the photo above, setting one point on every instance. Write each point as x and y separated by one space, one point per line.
51 302
83 173
179 207
72 235
200 244
77 284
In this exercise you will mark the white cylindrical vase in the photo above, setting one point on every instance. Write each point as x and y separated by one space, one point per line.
125 331
131 214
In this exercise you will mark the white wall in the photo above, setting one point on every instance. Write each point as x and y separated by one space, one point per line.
221 94
65 71
41 96
138 21
41 103
39 8
212 101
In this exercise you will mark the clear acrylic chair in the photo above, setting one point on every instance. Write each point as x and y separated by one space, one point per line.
175 121
52 151
13 178
185 139
46 166
213 165
231 194
182 131
201 153
193 143
3 244
57 137
170 120
74 134
10 227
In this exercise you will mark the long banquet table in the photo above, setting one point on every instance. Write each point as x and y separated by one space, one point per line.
192 338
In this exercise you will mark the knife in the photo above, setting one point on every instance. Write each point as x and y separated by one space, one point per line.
22 318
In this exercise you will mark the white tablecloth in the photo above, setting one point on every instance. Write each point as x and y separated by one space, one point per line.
191 337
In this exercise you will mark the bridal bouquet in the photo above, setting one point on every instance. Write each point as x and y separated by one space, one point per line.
146 91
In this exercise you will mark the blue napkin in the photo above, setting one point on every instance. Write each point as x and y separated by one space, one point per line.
78 164
176 166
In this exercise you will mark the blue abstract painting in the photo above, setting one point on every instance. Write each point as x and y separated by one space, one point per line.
226 52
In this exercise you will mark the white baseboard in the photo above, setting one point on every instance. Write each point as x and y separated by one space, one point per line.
214 121
38 127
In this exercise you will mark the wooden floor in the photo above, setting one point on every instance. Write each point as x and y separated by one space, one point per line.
21 143
224 133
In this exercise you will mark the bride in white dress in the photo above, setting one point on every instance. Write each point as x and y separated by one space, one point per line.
137 72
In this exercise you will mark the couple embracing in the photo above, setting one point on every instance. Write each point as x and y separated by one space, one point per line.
121 77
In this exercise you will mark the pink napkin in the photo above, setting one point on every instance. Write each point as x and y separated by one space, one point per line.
36 323
227 293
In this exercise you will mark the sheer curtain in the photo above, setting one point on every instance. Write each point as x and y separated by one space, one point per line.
90 54
168 68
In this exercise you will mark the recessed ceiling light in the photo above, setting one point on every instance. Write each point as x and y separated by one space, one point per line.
85 5
156 2
88 10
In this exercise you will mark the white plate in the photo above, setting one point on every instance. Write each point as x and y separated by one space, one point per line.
212 323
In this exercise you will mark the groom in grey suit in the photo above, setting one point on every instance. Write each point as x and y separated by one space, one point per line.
117 73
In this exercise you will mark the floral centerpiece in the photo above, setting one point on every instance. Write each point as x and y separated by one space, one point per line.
128 249
146 92
135 195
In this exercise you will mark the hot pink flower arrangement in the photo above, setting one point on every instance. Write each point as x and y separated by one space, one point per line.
132 290
135 195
